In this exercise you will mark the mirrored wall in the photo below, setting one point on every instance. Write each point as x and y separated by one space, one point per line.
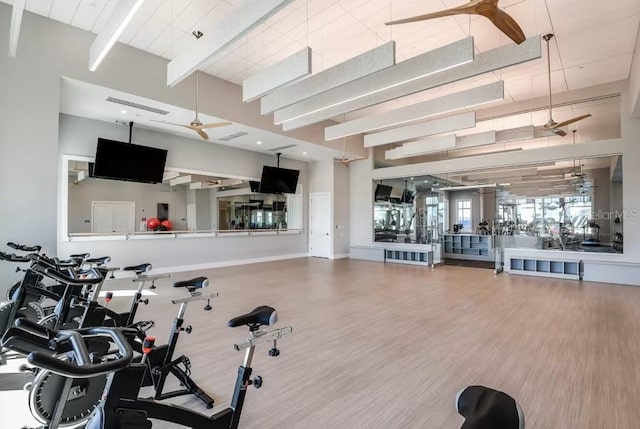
572 205
183 202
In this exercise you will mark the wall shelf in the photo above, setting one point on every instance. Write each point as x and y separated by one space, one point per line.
545 268
469 247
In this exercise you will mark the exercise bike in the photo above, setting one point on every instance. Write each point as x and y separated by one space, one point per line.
121 408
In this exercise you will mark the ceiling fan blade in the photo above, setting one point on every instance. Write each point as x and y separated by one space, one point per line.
571 121
469 8
507 25
201 133
216 125
172 123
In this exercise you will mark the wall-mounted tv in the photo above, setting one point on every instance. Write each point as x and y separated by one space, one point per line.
276 180
383 192
408 196
125 161
255 186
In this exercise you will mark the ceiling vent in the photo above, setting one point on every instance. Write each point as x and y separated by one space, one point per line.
277 149
137 106
233 136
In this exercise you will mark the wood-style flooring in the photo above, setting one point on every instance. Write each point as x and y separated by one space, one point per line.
388 346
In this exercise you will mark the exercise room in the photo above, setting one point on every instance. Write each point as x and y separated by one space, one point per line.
319 214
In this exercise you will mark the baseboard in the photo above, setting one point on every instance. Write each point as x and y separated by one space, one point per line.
221 264
340 256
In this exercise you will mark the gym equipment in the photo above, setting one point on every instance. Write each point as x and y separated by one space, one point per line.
153 223
485 408
121 407
45 347
167 224
160 361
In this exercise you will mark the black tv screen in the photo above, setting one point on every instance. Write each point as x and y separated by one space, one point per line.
408 196
278 180
383 192
125 161
255 186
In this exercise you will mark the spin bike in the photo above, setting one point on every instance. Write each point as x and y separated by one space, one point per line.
121 408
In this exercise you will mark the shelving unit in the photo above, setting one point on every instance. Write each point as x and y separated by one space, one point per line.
408 257
545 268
468 246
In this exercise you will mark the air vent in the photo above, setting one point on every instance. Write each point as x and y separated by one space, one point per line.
233 136
276 149
137 106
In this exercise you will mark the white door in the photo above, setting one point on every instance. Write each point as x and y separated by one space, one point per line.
112 216
191 217
102 218
320 225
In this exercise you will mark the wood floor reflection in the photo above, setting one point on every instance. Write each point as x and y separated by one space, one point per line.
388 346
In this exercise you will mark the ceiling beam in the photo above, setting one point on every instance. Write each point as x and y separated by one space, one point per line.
484 62
14 29
247 15
112 30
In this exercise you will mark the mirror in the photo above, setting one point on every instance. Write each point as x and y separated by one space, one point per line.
183 202
572 205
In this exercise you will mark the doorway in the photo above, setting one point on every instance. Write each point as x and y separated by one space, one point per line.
107 216
320 225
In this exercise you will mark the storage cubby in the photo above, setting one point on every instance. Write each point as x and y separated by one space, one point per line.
468 246
545 267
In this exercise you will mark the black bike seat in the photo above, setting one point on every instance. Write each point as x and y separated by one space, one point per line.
195 283
263 315
139 269
82 256
99 261
483 407
69 263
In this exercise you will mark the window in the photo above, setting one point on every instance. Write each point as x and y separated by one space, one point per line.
463 210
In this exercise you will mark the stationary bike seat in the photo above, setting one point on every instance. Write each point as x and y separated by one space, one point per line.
263 315
195 283
139 269
99 261
82 256
485 408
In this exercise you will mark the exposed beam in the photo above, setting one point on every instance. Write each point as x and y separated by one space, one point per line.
484 62
14 29
247 15
416 68
112 30
363 65
422 129
422 147
291 69
414 112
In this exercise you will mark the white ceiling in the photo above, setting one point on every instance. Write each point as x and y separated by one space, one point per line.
88 100
594 41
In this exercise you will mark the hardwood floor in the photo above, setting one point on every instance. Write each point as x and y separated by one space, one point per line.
388 346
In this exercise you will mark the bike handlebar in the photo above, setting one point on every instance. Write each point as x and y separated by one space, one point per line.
12 257
23 247
82 366
73 281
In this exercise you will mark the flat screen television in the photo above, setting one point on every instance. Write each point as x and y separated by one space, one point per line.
383 192
255 186
131 162
276 180
407 196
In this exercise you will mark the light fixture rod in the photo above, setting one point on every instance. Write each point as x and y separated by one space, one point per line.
116 24
16 22
546 38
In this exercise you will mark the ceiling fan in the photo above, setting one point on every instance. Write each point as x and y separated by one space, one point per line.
344 160
197 125
487 8
551 125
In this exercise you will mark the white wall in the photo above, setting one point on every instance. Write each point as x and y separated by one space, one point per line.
29 117
78 136
340 209
146 197
454 197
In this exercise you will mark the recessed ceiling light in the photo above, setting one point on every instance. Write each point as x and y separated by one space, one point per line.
426 181
412 178
304 153
124 112
258 142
